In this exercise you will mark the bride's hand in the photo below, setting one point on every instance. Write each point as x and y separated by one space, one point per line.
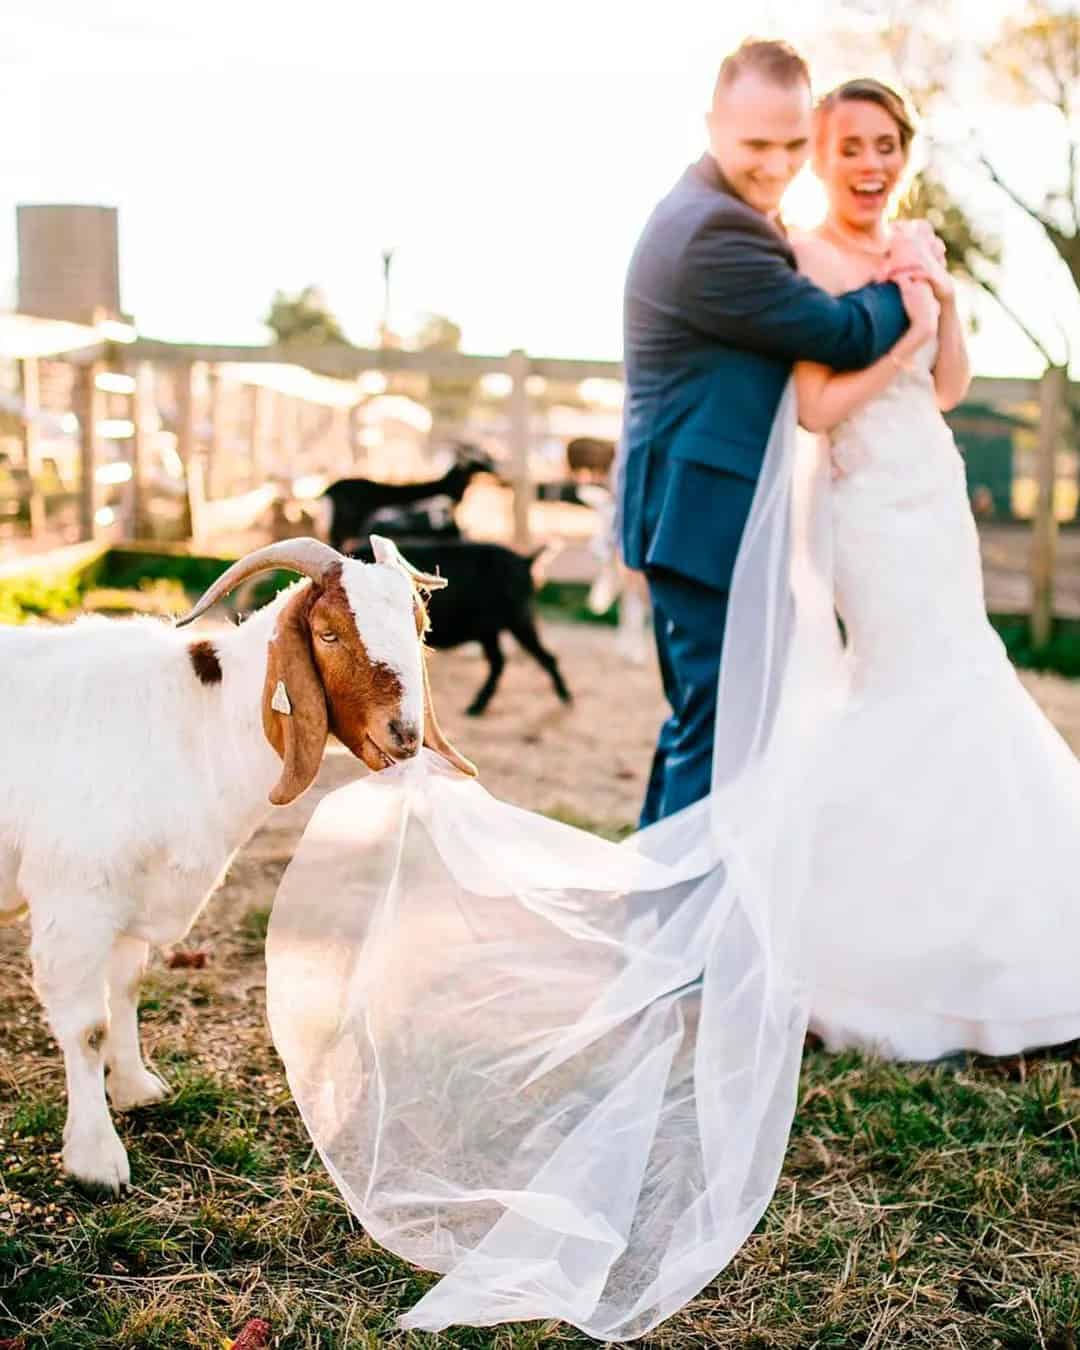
940 282
919 254
922 306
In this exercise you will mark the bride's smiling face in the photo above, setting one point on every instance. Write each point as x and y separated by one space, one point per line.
860 157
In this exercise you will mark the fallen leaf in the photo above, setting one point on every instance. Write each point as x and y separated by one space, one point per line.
185 960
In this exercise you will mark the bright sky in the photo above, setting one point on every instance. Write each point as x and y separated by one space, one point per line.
510 152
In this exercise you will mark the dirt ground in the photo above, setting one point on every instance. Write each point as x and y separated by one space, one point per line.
587 762
591 760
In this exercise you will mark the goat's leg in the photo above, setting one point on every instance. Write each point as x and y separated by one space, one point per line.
525 633
70 955
496 662
129 1082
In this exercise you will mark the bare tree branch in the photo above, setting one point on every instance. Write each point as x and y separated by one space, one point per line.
1029 82
1068 81
1035 214
1050 57
992 291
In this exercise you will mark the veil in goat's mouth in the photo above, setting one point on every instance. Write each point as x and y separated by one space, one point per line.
557 1070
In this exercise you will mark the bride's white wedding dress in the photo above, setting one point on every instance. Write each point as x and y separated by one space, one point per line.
943 911
562 1072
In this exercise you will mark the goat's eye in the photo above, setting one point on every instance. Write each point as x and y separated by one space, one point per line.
328 638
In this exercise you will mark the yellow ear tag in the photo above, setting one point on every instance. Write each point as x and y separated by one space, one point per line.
280 701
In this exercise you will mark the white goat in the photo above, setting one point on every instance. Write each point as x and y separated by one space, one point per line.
136 761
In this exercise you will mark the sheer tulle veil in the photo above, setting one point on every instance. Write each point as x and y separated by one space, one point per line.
559 1071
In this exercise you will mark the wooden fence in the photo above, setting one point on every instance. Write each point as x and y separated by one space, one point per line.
130 387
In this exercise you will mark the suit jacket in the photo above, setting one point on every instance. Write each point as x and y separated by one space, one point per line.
715 315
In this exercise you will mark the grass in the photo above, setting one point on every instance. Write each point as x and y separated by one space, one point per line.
934 1206
1060 656
50 594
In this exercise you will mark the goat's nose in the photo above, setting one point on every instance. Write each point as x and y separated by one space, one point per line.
406 736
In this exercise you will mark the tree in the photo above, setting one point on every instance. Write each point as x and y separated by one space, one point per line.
303 318
1036 62
437 333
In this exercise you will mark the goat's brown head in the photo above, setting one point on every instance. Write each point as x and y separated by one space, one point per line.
345 656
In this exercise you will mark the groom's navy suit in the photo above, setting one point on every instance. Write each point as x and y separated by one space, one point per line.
715 315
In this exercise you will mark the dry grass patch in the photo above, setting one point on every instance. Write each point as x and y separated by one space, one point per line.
920 1206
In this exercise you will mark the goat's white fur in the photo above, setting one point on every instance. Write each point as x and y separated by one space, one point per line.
127 787
380 598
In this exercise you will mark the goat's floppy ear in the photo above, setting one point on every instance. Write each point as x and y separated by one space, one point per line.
433 735
294 713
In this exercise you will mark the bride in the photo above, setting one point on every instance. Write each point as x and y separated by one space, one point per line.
947 838
562 1072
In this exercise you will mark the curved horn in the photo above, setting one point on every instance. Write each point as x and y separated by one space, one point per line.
310 557
386 551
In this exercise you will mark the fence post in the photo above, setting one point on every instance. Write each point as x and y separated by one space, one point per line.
357 448
31 400
518 369
88 401
185 429
1044 527
217 471
143 410
288 463
262 410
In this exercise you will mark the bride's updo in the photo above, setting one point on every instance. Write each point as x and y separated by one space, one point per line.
867 91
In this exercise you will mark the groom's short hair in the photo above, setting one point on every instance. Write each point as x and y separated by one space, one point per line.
773 60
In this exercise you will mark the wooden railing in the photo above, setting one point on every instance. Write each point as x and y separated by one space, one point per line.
238 504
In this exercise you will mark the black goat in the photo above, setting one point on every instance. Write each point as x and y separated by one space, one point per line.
491 591
430 517
355 500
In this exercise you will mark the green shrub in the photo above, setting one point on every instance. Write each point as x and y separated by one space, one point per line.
51 594
1060 656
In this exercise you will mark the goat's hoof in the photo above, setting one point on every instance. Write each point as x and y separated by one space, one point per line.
475 710
97 1161
129 1090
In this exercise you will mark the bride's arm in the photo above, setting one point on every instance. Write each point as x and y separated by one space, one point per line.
827 398
952 370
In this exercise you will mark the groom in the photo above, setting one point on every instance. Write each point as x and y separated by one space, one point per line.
715 315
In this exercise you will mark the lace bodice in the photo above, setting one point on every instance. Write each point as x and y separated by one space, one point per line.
900 435
908 574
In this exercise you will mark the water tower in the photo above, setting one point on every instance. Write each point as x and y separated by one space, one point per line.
69 262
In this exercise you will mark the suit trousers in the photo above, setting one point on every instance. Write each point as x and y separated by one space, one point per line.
688 620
